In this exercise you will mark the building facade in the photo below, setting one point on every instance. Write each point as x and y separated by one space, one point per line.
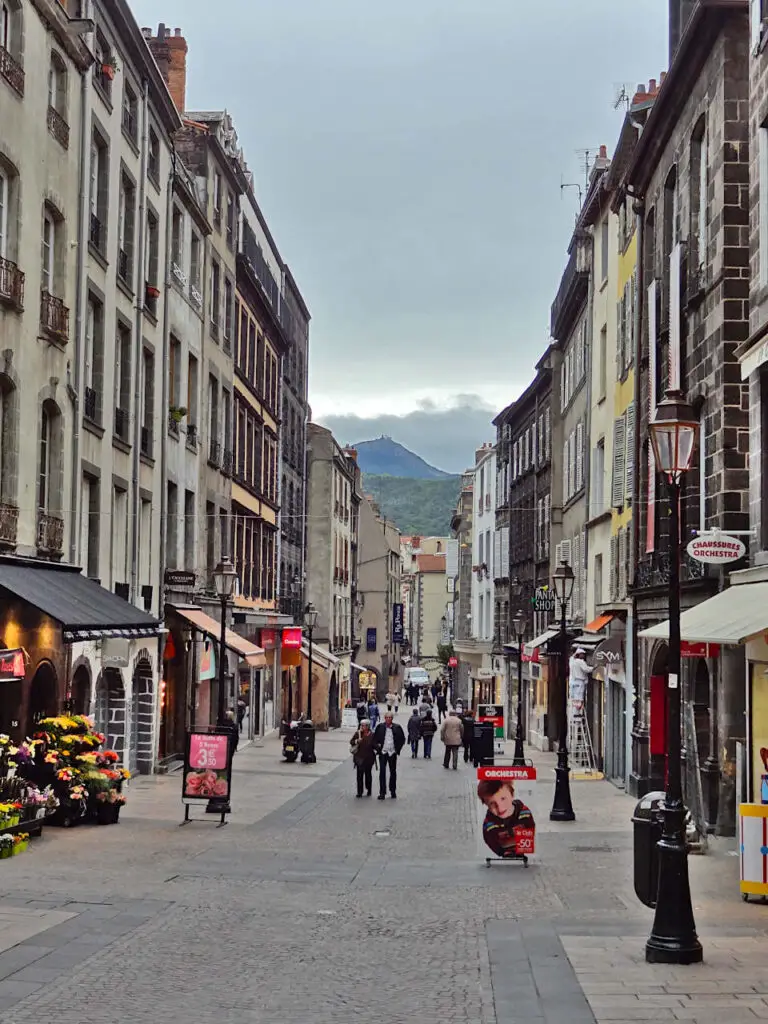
379 586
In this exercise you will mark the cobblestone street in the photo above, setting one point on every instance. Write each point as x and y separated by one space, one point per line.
313 907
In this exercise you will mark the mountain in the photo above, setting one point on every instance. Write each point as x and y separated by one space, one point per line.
422 507
386 457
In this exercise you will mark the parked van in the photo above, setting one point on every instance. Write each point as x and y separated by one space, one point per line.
416 676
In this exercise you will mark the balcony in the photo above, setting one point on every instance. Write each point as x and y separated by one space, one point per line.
196 296
192 436
91 405
12 72
214 453
58 127
178 274
123 266
228 462
121 424
146 442
50 534
653 571
96 232
572 292
9 518
54 317
11 285
173 424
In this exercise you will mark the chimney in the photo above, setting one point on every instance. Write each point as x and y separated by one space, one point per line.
679 15
170 53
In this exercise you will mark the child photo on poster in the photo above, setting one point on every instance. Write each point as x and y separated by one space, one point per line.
508 828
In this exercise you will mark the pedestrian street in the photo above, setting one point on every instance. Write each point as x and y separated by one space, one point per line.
312 907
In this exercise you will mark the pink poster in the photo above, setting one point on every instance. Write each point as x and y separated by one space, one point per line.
206 774
208 751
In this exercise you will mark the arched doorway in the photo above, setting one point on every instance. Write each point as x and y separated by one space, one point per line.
43 701
81 691
334 713
142 688
110 710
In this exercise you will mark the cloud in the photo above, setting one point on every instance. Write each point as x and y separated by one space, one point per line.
445 437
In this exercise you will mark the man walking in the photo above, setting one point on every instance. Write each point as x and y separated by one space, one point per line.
414 732
388 741
363 757
451 734
442 707
428 730
468 728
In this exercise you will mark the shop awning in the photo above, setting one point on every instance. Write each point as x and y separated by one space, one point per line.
730 617
320 654
249 652
539 641
587 640
85 610
597 624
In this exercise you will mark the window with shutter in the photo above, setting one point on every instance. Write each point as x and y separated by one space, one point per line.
619 338
565 552
583 577
571 464
622 568
629 348
630 454
547 522
505 551
558 553
650 503
579 456
534 446
576 602
675 272
565 471
618 484
497 554
612 576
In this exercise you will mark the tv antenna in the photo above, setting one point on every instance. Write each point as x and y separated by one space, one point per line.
623 95
586 154
571 184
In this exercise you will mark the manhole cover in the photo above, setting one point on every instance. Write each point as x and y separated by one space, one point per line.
381 833
594 849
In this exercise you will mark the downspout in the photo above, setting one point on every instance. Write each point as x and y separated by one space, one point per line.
73 389
637 710
164 396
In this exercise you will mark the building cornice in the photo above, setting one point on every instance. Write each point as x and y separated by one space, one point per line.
68 31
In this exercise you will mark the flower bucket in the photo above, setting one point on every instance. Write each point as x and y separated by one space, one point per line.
107 814
6 852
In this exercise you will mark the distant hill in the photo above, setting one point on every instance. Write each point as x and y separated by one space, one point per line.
422 507
386 457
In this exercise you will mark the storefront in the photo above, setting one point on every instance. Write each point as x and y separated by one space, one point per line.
537 696
86 650
328 683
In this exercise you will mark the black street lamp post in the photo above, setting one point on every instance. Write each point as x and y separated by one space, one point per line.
562 808
310 621
225 578
519 624
673 938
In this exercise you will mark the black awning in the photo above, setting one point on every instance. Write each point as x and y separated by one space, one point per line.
85 610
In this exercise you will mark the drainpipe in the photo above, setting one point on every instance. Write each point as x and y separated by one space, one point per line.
164 398
638 717
141 241
80 299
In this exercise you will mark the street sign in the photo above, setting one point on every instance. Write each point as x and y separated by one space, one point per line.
179 579
398 624
544 600
716 548
699 650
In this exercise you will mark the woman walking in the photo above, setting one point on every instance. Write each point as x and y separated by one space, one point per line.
363 757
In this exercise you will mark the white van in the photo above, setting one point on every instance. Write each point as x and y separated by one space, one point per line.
417 676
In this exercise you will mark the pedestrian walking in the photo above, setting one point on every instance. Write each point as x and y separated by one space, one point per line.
425 705
242 707
388 741
442 707
362 710
390 700
414 732
435 689
468 730
428 730
452 736
373 714
363 758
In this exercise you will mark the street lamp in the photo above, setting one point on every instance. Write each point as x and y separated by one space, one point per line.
673 938
310 621
225 578
519 623
562 808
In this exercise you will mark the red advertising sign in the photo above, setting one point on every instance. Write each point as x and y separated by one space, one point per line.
453 662
207 766
531 657
12 664
507 826
506 772
292 637
693 650
268 639
525 840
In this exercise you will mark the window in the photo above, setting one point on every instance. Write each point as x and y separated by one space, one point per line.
148 400
598 581
49 252
213 409
44 467
177 241
172 527
602 364
4 204
152 264
89 548
763 203
99 192
195 264
57 85
189 531
11 36
669 238
758 15
228 309
123 361
217 199
174 374
130 113
103 68
94 359
699 198
145 543
226 409
604 235
192 386
119 535
125 229
598 478
210 537
153 162
215 296
231 221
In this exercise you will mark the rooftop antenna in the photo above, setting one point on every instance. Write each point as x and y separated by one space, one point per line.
623 95
587 153
571 184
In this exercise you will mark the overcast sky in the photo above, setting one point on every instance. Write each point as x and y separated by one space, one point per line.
408 157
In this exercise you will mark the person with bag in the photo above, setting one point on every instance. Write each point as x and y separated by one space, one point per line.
452 735
414 732
363 758
428 730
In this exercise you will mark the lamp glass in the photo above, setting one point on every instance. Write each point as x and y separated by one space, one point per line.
310 616
563 580
519 623
225 577
673 431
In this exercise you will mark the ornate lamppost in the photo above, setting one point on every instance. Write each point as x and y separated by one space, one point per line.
562 808
519 624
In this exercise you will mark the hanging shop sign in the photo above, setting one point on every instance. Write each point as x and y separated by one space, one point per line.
693 650
207 661
115 653
291 638
493 713
370 638
12 665
453 662
544 600
268 639
715 548
207 766
610 652
398 624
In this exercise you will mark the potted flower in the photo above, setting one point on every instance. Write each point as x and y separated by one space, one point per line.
109 67
6 846
20 843
177 413
153 292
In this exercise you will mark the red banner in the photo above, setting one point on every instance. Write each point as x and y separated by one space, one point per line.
692 650
292 637
485 772
268 639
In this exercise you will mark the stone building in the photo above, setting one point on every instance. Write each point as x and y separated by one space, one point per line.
689 174
379 590
461 527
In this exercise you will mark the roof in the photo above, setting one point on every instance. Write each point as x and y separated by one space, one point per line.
248 651
730 617
85 610
320 655
431 563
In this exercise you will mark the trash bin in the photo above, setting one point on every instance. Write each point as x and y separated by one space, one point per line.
647 823
307 742
482 743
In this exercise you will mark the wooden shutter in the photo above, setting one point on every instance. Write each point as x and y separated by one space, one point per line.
565 552
756 23
576 602
622 573
583 570
558 553
579 455
547 521
618 480
612 575
566 447
497 555
675 312
629 350
630 454
650 503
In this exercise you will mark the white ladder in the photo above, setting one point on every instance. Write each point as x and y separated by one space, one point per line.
582 755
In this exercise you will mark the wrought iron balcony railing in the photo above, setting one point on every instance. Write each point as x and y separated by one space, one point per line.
54 317
11 285
50 533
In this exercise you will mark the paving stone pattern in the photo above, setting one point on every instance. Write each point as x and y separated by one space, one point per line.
313 907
